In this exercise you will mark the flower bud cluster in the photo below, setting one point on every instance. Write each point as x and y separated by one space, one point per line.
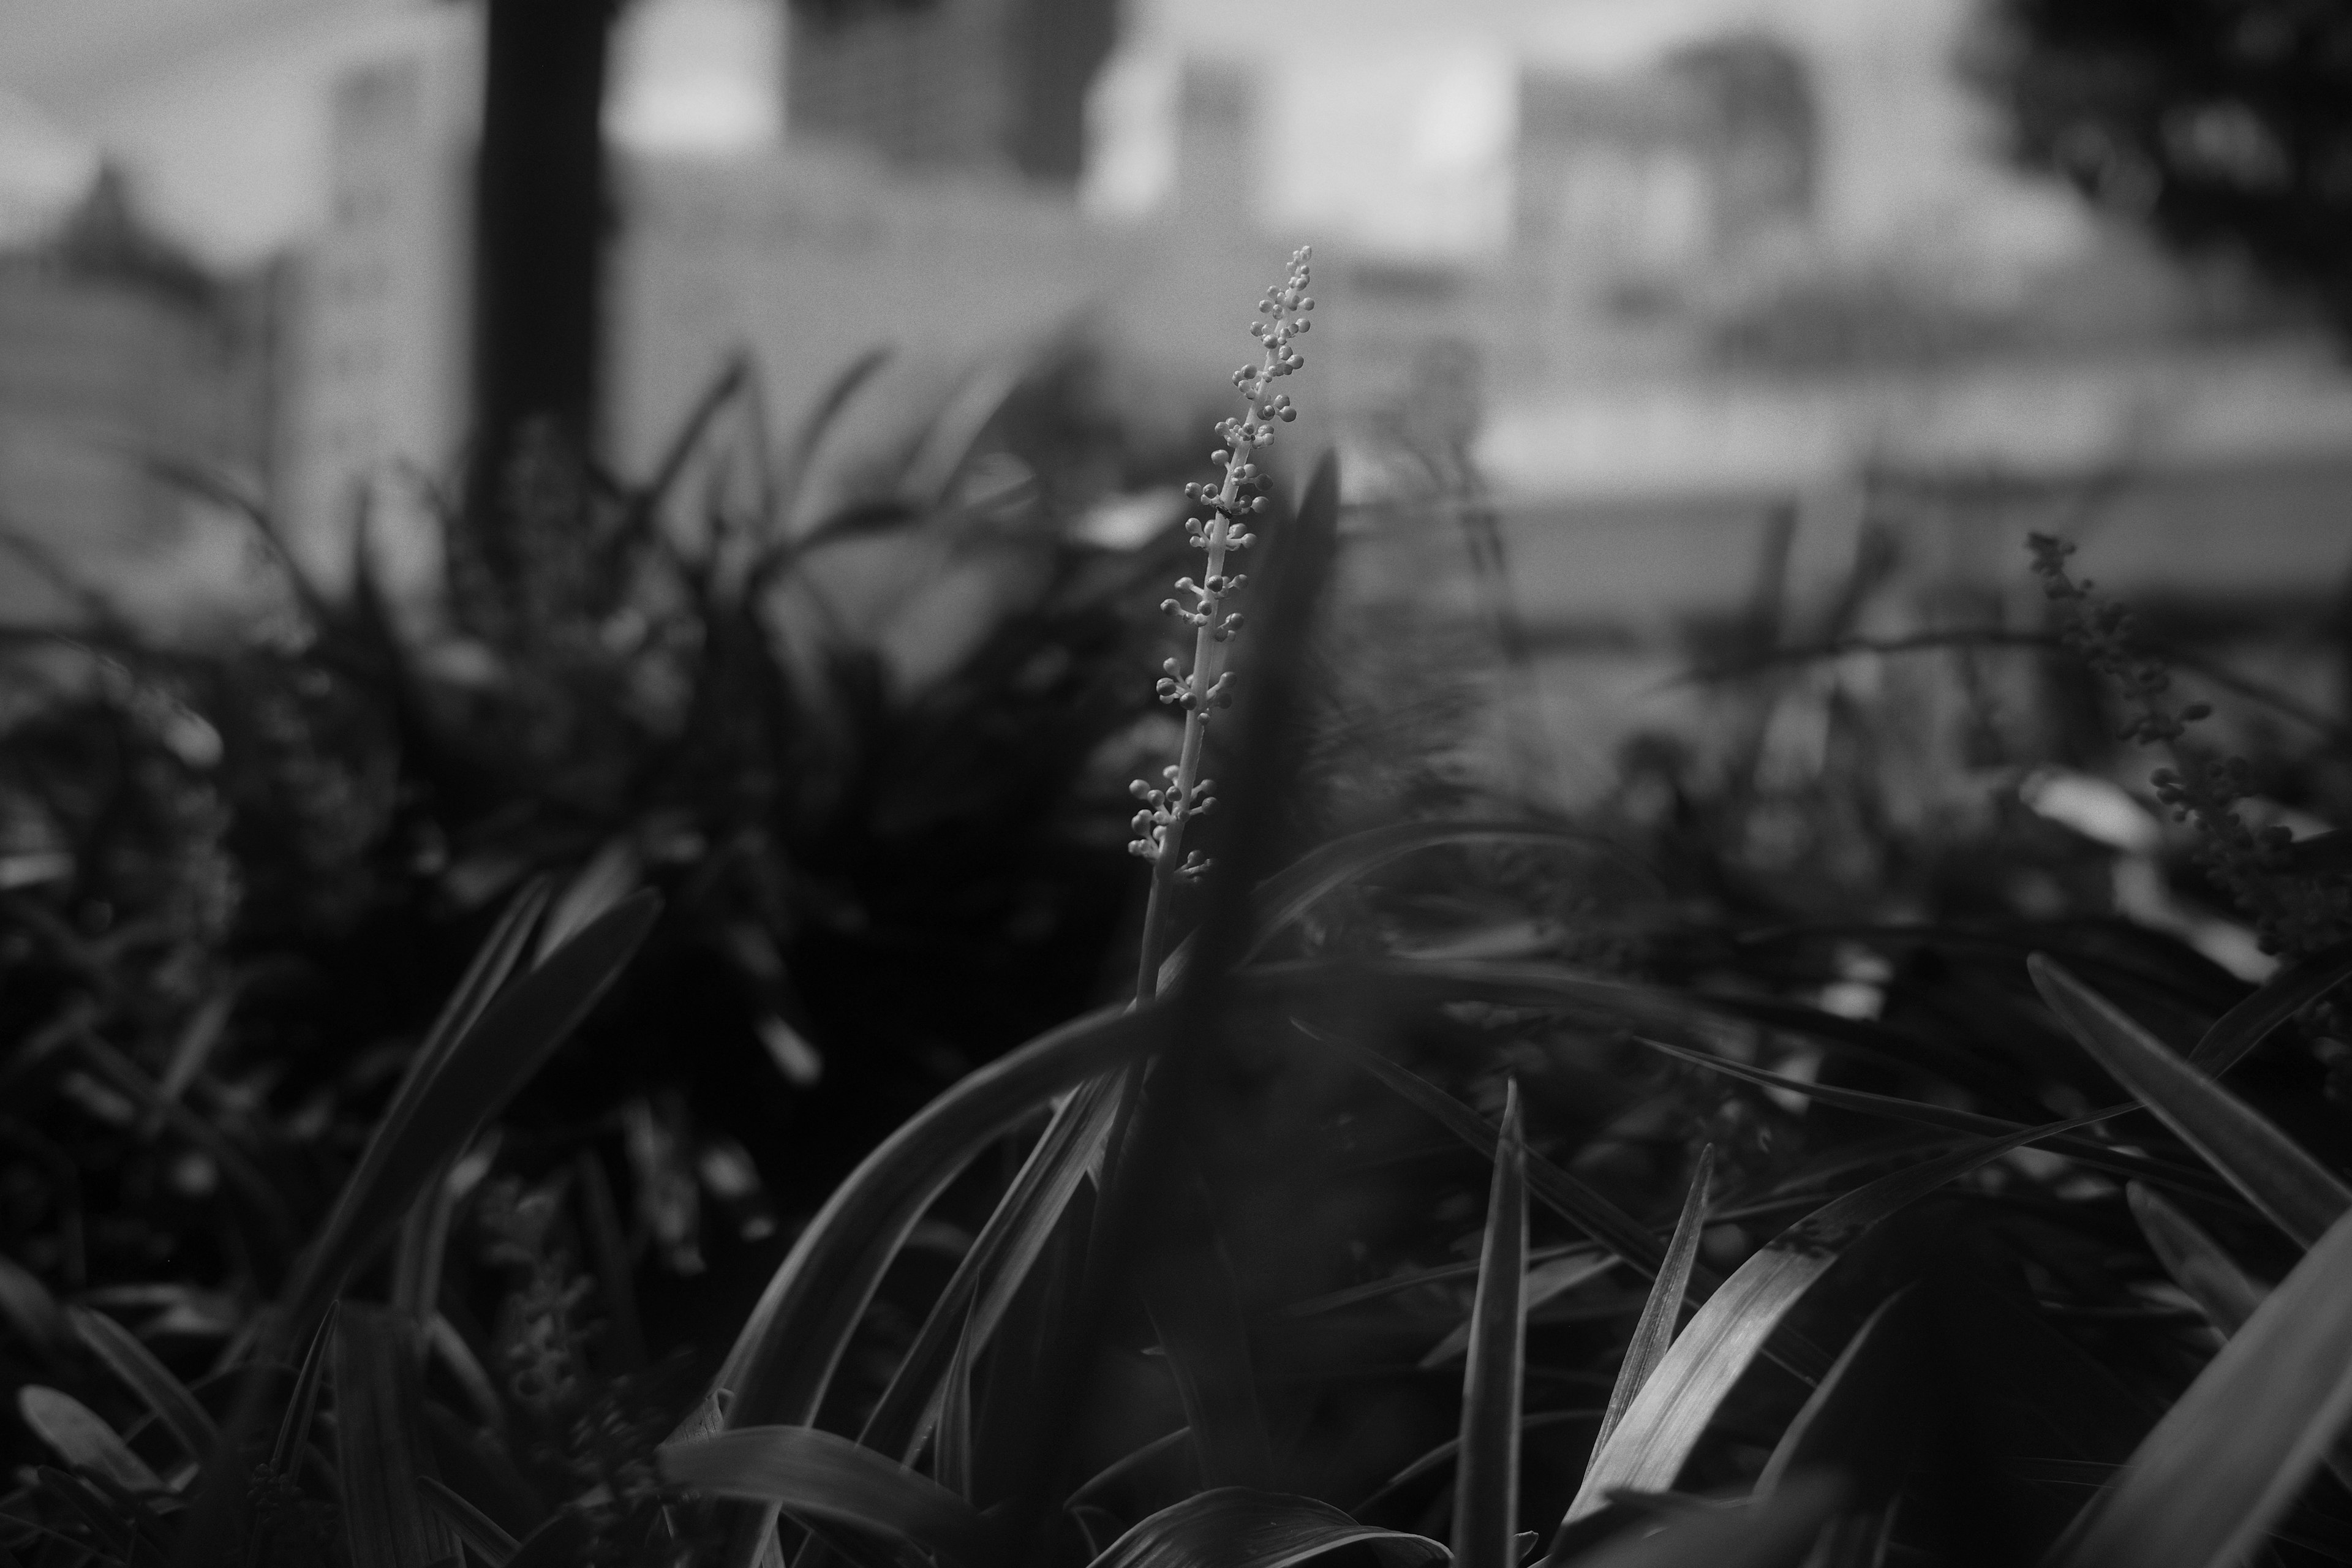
1165 810
1227 502
2293 913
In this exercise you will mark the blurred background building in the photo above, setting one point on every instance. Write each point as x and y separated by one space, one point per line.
1690 271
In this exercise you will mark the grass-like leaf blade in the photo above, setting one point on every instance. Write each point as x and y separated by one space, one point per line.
2082 1149
238 1171
561 1540
1554 1277
2299 1194
1675 1407
294 1426
1565 1195
1423 1464
783 1358
424 1230
975 1298
80 1437
482 1070
2282 996
1856 1420
1486 1478
98 1508
2234 1450
611 875
1287 896
485 1536
1194 1303
379 1443
1777 1532
30 1308
190 1425
492 963
1233 1527
822 1474
2196 1262
951 1456
1653 1331
196 1040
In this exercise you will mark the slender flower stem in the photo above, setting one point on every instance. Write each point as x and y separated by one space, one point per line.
1183 793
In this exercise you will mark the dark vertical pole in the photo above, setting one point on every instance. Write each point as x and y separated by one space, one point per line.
540 223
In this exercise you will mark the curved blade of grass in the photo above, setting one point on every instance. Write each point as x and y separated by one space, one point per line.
1424 1463
621 1346
951 1458
2234 1450
1194 1305
30 1308
2282 996
1568 1197
1777 1532
214 484
784 1356
1893 1107
561 1540
993 1268
734 380
447 1346
2299 1194
97 1508
1862 1420
611 875
424 1238
130 1361
783 1359
1868 1040
483 1068
294 1426
1233 1527
945 445
1666 1419
485 1536
1544 1264
1285 896
1129 1462
81 1438
1544 1281
1487 1479
802 1471
792 473
195 1046
237 1170
1653 1331
492 963
477 1465
2210 1276
424 1229
1624 1236
2084 1150
379 1443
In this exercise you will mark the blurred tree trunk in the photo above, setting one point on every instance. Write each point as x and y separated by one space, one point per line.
542 216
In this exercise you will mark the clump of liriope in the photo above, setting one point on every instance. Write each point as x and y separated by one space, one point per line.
2294 913
1183 793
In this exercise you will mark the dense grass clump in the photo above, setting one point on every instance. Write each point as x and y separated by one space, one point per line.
1477 1179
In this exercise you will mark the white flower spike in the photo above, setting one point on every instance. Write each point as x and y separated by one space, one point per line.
1201 604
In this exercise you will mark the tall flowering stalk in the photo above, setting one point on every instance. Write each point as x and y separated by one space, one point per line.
1183 793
